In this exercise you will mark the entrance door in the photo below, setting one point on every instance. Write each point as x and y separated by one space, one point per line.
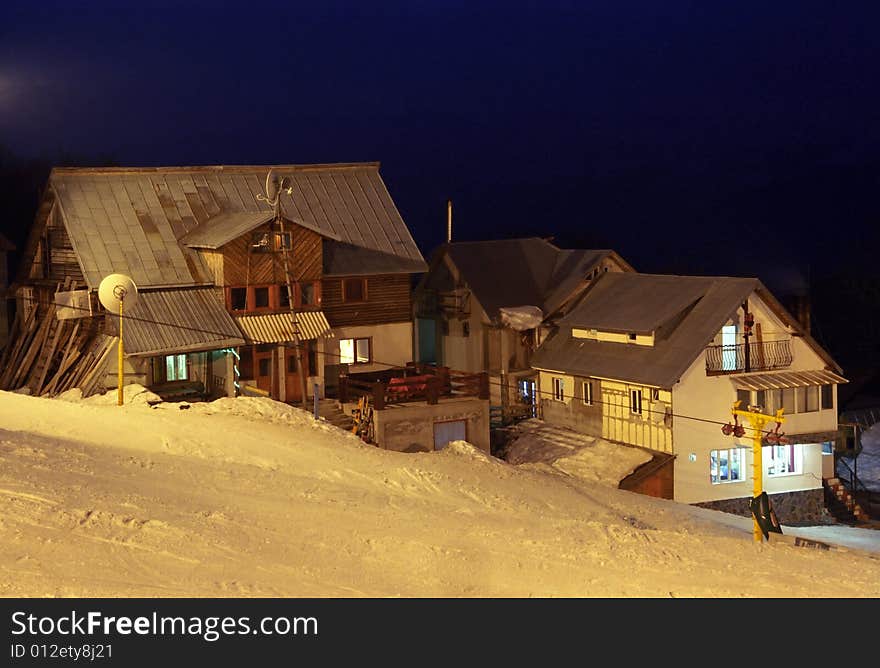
444 432
293 387
263 368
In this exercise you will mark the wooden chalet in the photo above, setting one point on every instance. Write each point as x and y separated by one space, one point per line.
233 295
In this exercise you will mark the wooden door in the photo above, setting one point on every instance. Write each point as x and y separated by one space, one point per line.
293 386
264 370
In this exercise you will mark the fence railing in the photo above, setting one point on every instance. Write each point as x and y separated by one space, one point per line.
764 356
415 382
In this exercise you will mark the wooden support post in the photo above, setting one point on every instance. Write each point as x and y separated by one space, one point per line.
379 395
484 385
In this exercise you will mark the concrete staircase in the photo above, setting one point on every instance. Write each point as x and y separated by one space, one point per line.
841 504
330 411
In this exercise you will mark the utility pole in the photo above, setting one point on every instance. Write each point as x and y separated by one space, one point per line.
274 188
757 421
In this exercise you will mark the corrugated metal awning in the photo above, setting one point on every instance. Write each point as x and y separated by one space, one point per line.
278 327
781 380
166 322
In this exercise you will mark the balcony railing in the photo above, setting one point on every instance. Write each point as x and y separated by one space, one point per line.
739 358
415 382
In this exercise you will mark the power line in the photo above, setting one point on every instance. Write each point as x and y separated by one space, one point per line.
301 345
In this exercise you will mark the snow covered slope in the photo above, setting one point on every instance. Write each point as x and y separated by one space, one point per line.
248 497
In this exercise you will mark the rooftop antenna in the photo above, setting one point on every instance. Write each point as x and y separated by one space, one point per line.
448 220
274 188
116 293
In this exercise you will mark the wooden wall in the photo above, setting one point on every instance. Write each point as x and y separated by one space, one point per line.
388 300
54 244
238 265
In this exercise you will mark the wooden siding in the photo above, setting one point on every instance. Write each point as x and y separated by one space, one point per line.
239 266
55 245
388 300
619 424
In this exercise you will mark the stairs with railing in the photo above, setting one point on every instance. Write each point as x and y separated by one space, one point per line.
841 503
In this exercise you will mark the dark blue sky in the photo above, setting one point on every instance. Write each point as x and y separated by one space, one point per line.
690 136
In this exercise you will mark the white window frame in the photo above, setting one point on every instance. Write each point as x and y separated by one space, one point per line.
783 460
352 357
588 393
635 401
715 470
178 368
558 385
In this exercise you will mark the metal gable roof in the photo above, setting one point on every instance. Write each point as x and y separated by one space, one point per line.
138 221
660 365
165 322
540 275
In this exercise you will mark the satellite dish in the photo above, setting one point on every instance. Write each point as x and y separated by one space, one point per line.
271 186
116 290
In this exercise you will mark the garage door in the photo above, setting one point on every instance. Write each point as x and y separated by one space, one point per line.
449 431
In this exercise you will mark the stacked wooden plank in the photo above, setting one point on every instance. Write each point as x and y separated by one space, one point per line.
49 356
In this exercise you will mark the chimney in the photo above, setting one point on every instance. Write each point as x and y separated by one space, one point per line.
448 220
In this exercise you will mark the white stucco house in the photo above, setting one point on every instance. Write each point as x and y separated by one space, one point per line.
658 361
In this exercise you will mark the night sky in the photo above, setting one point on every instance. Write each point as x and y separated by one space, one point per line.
705 137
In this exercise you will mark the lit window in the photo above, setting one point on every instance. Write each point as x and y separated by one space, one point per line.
635 402
175 367
354 351
558 389
588 393
783 459
282 241
727 465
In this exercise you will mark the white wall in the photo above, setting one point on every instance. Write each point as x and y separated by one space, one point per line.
392 345
711 398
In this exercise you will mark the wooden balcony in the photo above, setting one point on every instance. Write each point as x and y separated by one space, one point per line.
415 382
742 358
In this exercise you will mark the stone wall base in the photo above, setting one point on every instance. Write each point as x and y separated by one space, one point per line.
804 508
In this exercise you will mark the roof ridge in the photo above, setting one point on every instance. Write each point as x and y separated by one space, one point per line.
173 169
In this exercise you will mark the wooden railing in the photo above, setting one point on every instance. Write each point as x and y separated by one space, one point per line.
415 382
764 356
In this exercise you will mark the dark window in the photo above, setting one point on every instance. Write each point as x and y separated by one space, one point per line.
291 363
261 297
827 396
465 328
284 296
744 397
760 399
632 336
354 289
264 366
635 402
238 299
261 242
308 294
